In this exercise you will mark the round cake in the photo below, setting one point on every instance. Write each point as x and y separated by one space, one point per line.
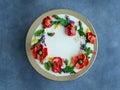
62 45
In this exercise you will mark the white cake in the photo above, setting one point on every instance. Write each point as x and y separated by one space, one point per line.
62 44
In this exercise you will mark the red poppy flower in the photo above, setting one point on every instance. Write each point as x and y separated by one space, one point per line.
91 37
39 52
80 61
57 64
70 30
47 22
34 53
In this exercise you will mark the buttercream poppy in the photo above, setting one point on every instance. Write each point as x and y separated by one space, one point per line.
57 64
39 52
91 37
47 22
70 30
80 61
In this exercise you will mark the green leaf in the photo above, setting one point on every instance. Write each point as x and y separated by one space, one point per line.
38 42
50 34
75 27
62 21
86 41
48 65
88 51
66 62
81 28
67 20
39 32
69 69
81 33
55 22
73 72
84 45
57 17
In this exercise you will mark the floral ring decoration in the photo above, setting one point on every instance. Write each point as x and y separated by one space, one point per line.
57 64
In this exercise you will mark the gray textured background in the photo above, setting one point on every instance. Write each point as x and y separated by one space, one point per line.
16 16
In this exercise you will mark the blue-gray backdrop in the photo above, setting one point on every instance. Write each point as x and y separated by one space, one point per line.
16 16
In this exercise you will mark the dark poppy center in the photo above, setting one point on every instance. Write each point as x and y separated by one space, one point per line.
40 52
80 61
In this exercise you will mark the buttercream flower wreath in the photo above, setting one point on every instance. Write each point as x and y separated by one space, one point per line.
39 49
